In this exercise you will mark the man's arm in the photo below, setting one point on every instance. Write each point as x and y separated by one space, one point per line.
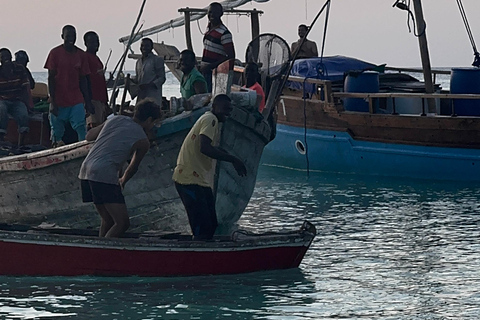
159 72
216 153
200 87
51 90
140 149
93 133
84 88
314 49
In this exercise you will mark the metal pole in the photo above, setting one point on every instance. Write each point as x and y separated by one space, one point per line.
422 41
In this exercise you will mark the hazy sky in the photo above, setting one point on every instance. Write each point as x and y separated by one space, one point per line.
367 29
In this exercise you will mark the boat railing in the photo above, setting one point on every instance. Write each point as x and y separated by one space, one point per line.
446 101
435 72
394 96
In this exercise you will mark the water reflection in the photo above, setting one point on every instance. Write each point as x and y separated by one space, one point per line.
386 249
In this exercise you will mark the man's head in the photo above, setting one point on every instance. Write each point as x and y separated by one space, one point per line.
187 61
69 36
251 73
21 58
92 41
5 56
147 112
146 46
302 30
222 107
214 13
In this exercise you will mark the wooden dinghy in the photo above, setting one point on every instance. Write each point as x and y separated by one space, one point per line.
67 252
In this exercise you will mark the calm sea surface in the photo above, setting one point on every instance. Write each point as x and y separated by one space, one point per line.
386 249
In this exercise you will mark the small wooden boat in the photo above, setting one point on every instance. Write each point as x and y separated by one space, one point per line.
66 252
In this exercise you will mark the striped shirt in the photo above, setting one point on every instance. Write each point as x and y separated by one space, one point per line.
13 86
217 42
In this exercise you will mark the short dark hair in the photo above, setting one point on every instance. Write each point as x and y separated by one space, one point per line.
220 99
88 34
149 40
147 108
190 54
303 26
21 54
68 26
5 50
217 4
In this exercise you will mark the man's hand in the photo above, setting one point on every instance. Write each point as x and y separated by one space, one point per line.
122 182
89 107
239 167
53 109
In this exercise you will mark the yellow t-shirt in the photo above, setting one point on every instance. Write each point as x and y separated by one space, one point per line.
193 167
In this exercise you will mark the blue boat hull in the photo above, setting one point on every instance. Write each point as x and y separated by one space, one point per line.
336 151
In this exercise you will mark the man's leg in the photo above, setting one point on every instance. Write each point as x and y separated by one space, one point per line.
118 213
77 120
19 112
57 124
200 207
107 222
3 119
99 117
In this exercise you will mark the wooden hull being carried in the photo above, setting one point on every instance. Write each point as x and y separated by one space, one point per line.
395 136
64 252
43 186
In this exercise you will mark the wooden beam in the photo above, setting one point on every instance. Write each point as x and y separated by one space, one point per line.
188 32
255 24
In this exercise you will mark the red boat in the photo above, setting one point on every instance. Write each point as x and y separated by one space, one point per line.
38 251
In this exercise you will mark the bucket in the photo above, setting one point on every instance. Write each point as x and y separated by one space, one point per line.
465 81
365 82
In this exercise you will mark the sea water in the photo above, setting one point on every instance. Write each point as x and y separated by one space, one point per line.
385 249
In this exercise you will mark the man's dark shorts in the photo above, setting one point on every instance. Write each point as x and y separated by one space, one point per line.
199 203
101 193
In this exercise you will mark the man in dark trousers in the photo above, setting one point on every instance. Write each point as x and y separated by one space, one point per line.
193 174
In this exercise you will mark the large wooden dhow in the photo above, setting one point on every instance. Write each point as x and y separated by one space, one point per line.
338 114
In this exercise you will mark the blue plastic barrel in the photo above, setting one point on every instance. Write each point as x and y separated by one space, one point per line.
365 82
465 81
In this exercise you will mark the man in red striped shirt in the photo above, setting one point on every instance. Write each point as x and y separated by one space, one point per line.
217 43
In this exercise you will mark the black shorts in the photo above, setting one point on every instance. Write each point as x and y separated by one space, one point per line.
101 193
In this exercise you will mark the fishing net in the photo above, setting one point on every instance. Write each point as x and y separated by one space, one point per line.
270 52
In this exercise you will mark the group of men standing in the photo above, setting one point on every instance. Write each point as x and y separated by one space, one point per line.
77 89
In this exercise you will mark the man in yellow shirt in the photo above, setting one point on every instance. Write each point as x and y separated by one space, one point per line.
194 172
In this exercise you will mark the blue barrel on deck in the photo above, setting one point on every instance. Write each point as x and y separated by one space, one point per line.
365 82
465 81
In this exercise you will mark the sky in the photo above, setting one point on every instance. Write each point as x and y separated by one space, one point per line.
371 30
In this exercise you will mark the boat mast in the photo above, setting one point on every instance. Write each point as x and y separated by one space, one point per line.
422 41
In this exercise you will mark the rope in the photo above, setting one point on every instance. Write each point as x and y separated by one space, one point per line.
476 61
403 5
305 127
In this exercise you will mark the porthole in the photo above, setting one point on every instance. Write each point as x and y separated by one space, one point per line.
300 147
